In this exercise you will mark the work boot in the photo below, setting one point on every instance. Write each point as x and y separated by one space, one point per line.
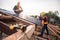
40 36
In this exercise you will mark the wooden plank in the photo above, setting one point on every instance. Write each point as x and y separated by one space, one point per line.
56 29
40 38
54 32
19 35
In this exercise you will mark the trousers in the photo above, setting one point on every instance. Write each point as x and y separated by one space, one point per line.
43 29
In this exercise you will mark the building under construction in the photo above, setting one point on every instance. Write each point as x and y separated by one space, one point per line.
25 29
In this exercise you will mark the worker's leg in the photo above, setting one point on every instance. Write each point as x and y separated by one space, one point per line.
43 28
47 30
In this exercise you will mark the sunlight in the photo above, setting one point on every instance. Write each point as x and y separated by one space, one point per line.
32 7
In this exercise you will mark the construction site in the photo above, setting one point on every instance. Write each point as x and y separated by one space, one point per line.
13 27
29 31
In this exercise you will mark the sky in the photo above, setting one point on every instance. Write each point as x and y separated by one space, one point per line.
32 7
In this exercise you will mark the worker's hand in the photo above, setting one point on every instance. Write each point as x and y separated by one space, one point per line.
18 9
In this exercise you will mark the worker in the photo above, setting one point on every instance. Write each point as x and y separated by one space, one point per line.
17 9
44 24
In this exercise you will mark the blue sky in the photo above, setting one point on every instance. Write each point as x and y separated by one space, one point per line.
32 7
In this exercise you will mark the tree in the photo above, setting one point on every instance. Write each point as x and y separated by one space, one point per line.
54 15
56 12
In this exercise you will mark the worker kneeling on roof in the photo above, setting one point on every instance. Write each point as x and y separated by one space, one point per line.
17 9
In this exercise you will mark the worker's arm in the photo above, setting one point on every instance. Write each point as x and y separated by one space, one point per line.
42 22
14 8
20 9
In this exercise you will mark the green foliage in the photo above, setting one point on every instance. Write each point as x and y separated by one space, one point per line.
54 15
